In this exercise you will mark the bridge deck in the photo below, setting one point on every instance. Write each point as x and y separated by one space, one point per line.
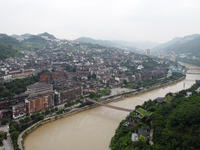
110 106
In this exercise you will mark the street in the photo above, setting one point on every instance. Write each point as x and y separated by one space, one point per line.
7 144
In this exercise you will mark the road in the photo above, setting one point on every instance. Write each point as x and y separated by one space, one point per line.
7 144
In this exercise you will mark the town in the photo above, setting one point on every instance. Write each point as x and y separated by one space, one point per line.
61 75
69 70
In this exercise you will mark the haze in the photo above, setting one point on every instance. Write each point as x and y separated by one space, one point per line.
128 20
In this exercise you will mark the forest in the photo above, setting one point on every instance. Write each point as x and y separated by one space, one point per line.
175 124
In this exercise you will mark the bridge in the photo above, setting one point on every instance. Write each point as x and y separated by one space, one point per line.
109 106
185 71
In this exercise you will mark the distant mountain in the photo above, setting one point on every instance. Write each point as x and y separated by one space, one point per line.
188 47
26 35
132 45
93 41
14 35
165 45
141 45
188 44
47 35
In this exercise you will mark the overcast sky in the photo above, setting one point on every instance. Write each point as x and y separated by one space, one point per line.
130 20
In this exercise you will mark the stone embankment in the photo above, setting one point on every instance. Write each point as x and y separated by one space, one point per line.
115 98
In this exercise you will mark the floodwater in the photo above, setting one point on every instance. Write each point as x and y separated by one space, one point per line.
94 128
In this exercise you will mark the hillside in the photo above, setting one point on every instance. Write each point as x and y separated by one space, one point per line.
129 45
50 36
186 49
6 47
26 35
165 45
174 124
9 40
35 42
36 39
192 47
93 41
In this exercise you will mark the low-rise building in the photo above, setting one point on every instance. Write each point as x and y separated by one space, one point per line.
19 110
39 88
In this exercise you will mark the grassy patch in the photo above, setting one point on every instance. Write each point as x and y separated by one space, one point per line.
140 110
17 78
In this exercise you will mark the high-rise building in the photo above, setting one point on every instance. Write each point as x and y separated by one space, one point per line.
148 52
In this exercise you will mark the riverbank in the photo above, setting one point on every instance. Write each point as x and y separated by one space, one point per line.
172 113
118 97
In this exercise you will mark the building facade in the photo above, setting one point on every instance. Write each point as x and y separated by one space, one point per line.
68 94
40 102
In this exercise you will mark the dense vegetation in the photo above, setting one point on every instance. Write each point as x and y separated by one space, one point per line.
150 63
192 46
6 47
175 124
8 40
16 86
35 42
3 135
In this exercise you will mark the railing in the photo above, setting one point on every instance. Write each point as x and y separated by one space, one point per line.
110 106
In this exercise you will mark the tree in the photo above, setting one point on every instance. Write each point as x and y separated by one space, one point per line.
67 67
4 121
53 70
74 69
92 95
12 129
125 82
14 135
47 112
69 102
22 121
1 88
141 144
52 110
33 117
27 119
56 109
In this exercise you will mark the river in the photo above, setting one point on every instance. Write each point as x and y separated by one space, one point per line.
94 128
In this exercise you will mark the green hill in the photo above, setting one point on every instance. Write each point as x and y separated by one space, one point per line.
48 35
14 35
174 124
188 46
26 35
165 45
7 51
9 40
36 39
192 47
35 42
